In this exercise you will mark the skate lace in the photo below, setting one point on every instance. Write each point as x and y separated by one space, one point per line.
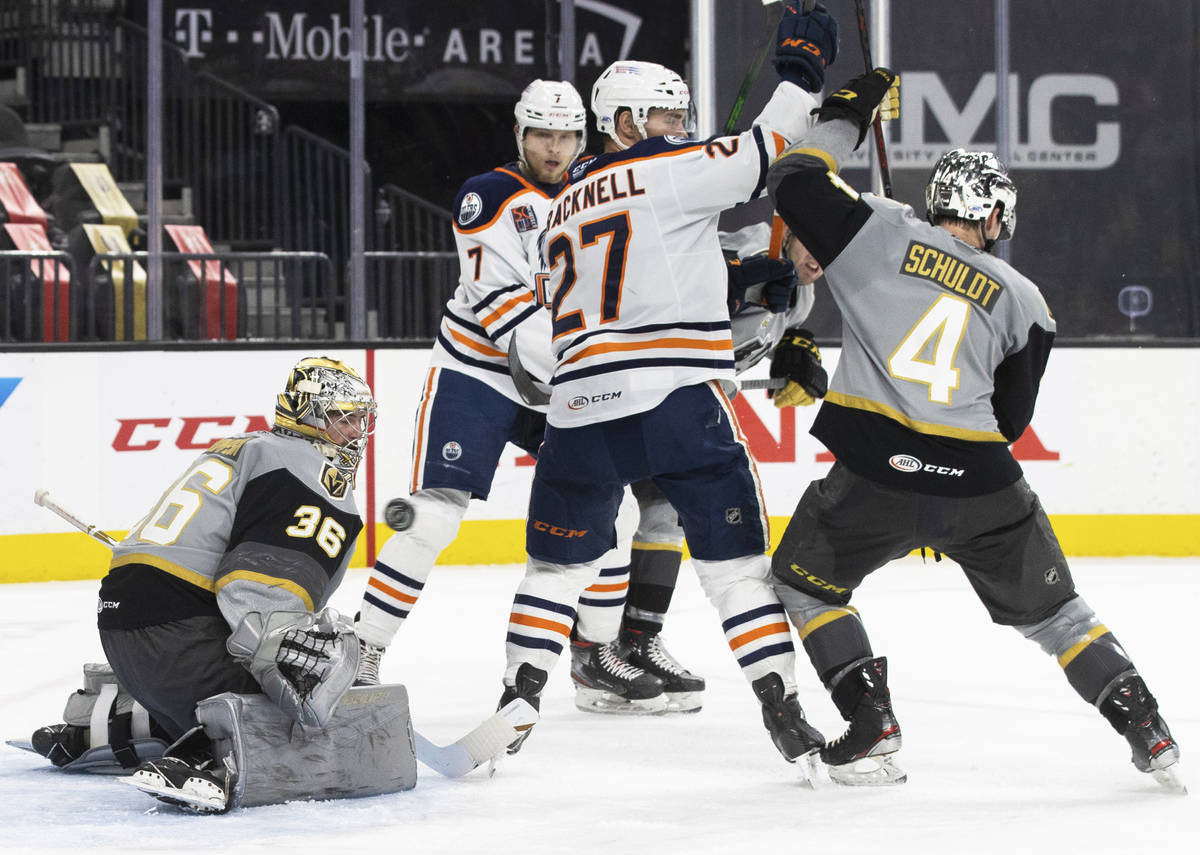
368 661
615 665
657 653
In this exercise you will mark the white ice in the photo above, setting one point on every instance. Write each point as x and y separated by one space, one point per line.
1002 756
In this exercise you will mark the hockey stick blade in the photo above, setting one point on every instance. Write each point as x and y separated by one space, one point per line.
489 739
42 498
763 383
529 389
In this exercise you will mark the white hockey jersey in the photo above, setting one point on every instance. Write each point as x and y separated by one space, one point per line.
636 280
497 218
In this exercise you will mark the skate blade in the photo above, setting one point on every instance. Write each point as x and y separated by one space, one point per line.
606 703
1171 778
213 802
876 771
811 771
684 702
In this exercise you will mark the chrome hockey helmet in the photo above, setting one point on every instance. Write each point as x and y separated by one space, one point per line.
640 87
553 105
327 402
968 185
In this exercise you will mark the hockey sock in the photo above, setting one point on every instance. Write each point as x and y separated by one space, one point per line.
654 571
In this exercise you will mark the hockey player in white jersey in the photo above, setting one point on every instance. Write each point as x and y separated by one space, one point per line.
637 287
469 407
944 347
617 632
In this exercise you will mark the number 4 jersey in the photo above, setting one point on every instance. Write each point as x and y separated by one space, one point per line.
259 522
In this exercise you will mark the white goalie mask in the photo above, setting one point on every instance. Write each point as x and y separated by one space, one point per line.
553 105
639 87
969 185
326 402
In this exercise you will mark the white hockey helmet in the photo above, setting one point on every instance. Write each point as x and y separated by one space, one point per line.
323 394
639 87
554 105
968 185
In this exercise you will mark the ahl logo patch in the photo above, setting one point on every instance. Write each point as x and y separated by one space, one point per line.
470 208
524 218
578 402
905 463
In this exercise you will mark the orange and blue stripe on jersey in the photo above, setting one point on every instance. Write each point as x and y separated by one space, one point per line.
483 198
691 344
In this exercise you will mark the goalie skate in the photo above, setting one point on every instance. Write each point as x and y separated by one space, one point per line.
175 782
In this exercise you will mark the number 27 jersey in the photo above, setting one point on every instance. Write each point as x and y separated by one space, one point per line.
634 274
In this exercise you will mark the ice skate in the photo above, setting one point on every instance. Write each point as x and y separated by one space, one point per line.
606 683
862 756
204 788
369 657
528 685
1133 711
60 743
684 690
797 740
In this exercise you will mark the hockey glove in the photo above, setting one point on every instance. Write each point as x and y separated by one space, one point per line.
776 275
304 662
860 99
797 359
805 45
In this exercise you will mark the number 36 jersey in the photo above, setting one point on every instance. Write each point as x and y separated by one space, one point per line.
635 278
259 522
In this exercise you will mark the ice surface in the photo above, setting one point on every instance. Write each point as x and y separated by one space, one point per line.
1002 756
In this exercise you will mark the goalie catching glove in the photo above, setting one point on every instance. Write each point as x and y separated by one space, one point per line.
304 662
877 91
797 359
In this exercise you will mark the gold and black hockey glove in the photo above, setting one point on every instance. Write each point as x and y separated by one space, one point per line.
798 360
859 100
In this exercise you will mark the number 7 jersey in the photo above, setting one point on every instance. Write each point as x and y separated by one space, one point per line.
634 275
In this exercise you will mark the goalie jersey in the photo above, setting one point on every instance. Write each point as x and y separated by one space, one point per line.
944 345
259 522
497 217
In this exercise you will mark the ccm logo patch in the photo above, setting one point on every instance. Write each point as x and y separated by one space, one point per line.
908 463
558 531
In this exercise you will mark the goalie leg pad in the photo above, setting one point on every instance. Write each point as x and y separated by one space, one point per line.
366 749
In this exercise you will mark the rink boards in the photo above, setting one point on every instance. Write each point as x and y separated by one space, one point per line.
1111 450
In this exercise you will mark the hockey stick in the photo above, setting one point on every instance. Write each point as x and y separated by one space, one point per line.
42 497
529 389
764 383
490 738
757 62
885 174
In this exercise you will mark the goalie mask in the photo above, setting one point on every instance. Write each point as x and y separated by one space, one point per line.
328 403
639 87
968 185
553 105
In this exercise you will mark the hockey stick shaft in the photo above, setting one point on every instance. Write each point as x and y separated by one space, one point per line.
764 383
757 62
42 497
885 173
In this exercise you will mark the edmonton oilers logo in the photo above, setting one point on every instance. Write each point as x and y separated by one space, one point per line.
451 451
905 463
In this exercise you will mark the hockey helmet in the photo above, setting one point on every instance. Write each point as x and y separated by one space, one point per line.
554 105
639 87
968 185
328 403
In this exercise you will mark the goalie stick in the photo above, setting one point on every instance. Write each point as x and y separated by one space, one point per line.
491 737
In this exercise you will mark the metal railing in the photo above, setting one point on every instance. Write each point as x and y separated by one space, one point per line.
405 222
38 296
406 292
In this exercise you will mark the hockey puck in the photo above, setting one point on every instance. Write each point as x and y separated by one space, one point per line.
399 514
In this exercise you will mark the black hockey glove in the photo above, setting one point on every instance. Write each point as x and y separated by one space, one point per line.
805 45
776 275
859 100
797 359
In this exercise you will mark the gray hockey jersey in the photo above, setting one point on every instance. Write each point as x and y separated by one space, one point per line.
259 522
